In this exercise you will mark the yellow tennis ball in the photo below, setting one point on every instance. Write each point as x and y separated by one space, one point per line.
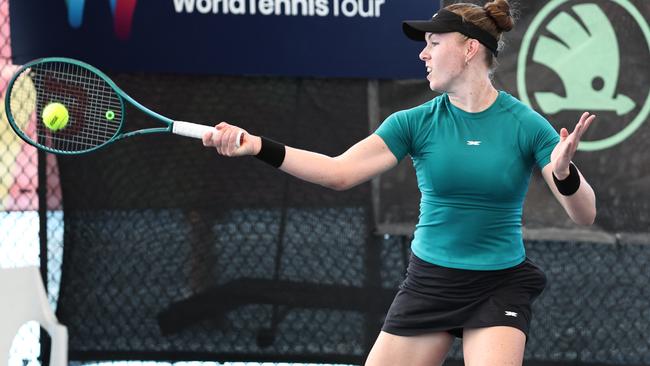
55 116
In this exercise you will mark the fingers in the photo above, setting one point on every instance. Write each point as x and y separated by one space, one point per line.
207 139
588 122
564 133
224 139
583 124
571 140
568 145
228 145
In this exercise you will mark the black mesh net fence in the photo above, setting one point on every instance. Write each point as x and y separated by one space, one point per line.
273 267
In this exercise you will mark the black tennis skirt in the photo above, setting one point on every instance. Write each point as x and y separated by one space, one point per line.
440 299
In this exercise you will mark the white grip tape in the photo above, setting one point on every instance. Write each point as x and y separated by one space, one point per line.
197 131
190 129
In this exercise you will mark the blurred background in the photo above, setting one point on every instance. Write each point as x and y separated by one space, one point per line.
157 251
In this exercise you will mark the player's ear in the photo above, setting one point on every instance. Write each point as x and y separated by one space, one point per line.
472 46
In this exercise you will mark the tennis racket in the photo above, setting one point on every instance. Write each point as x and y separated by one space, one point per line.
95 106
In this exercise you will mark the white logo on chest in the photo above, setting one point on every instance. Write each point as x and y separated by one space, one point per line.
473 143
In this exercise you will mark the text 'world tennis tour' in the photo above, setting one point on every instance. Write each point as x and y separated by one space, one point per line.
320 8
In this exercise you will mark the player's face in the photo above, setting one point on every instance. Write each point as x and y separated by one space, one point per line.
444 59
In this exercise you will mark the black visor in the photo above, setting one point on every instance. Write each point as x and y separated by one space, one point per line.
446 21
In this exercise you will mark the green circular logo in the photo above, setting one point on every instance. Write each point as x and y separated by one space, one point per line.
591 79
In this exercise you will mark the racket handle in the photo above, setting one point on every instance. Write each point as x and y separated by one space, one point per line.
197 131
189 129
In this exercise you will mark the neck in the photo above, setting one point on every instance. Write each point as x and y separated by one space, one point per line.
474 96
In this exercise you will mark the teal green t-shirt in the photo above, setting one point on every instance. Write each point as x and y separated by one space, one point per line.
473 171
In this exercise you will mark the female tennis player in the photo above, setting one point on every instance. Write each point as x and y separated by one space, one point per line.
473 148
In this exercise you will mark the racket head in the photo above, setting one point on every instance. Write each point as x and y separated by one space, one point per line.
95 107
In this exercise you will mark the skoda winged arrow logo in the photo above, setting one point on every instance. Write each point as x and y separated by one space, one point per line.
596 62
575 42
122 11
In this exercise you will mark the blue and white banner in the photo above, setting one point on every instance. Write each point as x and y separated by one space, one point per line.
324 38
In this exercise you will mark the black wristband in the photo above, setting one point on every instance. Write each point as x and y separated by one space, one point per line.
271 152
570 184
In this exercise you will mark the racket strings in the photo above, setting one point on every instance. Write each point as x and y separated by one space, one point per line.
89 99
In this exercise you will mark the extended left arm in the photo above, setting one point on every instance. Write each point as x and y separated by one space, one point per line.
581 204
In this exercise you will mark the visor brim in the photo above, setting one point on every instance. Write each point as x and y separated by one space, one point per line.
417 29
